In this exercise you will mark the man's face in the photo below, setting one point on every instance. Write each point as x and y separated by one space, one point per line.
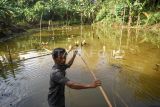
61 59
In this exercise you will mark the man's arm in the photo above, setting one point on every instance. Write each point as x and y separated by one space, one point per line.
70 62
79 86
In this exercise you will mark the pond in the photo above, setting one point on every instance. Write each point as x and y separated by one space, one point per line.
127 61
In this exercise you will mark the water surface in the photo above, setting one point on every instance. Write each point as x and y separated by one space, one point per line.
127 61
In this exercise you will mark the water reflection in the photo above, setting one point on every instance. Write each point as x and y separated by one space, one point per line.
126 60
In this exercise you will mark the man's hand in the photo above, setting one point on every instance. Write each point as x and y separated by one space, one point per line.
96 83
75 52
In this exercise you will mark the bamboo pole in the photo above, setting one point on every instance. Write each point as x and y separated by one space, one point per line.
100 87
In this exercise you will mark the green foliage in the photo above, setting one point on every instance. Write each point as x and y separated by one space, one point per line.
33 14
30 11
122 11
153 18
6 12
102 14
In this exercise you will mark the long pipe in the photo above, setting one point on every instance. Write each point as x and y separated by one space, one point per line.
42 55
35 57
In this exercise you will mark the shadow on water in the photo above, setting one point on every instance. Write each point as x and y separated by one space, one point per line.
126 60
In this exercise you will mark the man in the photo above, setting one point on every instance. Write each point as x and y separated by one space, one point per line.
58 80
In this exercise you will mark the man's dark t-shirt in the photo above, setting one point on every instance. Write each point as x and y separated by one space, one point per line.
58 80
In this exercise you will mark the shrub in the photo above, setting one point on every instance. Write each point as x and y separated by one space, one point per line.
153 18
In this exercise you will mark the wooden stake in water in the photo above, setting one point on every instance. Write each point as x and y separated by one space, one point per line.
10 56
81 20
52 29
49 24
41 27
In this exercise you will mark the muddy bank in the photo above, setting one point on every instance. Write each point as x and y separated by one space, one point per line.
153 28
11 31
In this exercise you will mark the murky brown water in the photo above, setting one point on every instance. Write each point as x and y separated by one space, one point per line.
126 61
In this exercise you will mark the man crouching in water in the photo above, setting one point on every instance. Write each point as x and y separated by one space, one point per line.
58 80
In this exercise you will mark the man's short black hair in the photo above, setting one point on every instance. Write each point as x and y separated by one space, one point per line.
58 51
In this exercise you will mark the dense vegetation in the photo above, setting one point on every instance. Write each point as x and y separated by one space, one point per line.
131 12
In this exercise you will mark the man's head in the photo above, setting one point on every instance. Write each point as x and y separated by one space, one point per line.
59 55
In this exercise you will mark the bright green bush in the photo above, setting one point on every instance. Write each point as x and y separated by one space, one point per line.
153 18
6 12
